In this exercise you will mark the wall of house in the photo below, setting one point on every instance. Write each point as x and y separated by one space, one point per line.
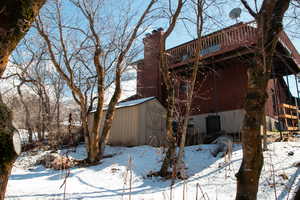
223 93
222 90
225 90
231 121
277 94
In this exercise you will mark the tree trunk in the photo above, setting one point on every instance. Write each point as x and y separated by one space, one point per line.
92 146
49 114
179 161
58 131
169 159
297 195
27 114
180 171
39 123
15 19
269 25
249 172
170 92
7 152
265 136
170 138
110 114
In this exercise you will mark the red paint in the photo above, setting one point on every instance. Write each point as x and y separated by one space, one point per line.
222 90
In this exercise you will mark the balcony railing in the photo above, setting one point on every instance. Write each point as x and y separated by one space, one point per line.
241 34
289 114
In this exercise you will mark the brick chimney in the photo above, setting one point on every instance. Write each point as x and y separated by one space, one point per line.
149 80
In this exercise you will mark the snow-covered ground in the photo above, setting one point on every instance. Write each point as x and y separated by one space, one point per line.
110 179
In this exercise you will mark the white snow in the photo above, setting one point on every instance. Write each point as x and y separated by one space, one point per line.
131 103
134 102
128 86
110 179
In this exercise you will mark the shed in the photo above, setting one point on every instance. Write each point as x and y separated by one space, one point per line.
137 122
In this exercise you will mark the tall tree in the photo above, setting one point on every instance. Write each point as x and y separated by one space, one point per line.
93 53
198 7
16 18
269 25
31 71
170 156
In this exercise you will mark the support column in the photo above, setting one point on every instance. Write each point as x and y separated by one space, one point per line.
297 88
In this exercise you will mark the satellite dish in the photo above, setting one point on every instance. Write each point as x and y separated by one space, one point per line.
235 13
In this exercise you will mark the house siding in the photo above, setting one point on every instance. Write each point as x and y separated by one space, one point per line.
231 121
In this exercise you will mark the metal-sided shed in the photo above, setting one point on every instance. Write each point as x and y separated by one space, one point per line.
138 122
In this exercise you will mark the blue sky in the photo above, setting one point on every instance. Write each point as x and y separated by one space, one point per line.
181 34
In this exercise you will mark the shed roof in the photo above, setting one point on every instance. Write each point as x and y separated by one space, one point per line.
131 103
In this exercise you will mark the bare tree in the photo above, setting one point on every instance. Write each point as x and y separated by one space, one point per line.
58 86
269 25
191 80
170 92
120 59
98 54
34 72
28 123
22 81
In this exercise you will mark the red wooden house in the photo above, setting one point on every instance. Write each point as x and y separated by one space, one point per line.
228 53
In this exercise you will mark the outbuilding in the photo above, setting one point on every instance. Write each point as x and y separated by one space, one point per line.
138 122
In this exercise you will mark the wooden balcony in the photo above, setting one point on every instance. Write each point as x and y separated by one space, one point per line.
228 39
237 36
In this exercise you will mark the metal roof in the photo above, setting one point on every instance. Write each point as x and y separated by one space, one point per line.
130 103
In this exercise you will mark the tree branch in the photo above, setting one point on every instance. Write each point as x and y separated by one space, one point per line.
246 5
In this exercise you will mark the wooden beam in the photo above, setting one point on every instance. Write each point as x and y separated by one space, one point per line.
292 128
287 116
283 105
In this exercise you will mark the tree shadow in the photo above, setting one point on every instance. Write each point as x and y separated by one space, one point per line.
284 193
199 158
41 171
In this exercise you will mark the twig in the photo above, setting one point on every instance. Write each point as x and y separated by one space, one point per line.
273 176
171 191
130 176
183 190
68 172
204 194
197 191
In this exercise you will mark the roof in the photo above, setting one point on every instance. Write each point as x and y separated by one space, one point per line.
133 102
130 103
